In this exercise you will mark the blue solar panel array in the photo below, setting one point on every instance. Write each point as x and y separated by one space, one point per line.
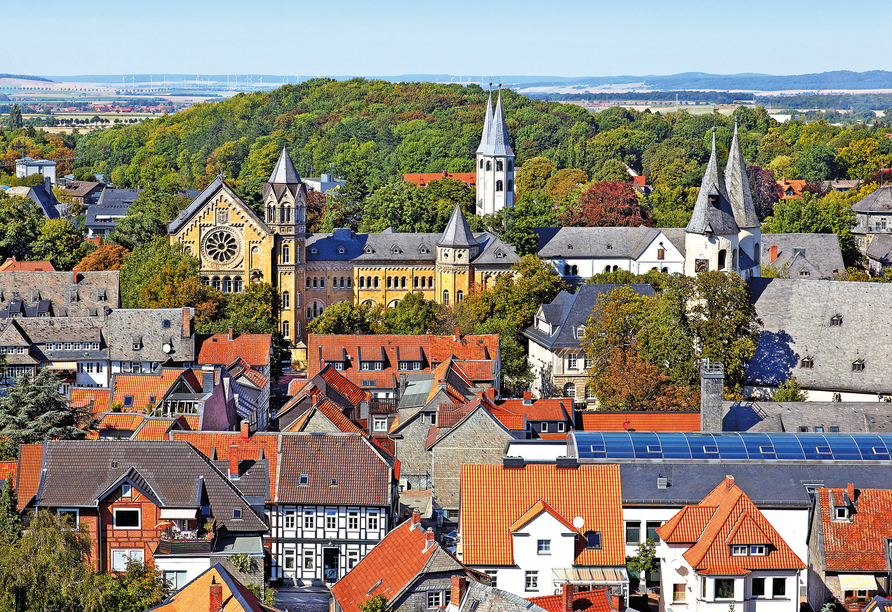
618 445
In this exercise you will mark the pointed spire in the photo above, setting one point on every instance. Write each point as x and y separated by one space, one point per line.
495 137
284 172
487 122
738 185
712 211
457 233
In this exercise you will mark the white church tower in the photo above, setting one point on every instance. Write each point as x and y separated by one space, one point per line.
495 163
750 235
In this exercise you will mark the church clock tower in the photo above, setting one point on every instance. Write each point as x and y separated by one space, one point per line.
495 163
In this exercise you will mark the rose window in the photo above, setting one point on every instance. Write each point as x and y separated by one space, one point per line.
221 246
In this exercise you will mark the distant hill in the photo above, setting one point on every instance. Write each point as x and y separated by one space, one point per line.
24 77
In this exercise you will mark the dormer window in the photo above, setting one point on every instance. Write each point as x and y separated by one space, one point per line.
368 250
757 550
593 540
499 254
395 249
807 363
858 365
739 550
303 480
836 321
842 513
570 247
314 250
341 250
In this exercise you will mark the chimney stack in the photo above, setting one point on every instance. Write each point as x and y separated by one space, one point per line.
233 461
712 380
428 539
74 276
491 393
187 323
245 432
315 400
617 602
773 255
567 590
215 592
457 336
321 364
459 586
850 489
729 481
527 398
230 335
416 519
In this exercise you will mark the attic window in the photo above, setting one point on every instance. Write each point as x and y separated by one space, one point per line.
858 365
369 250
499 254
165 323
842 513
341 250
314 250
807 363
570 247
609 247
836 321
804 273
739 551
236 513
593 540
395 249
128 401
304 480
334 482
423 249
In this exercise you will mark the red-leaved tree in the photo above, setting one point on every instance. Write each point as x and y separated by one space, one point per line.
607 204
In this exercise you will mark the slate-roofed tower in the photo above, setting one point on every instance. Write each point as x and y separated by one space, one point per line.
285 206
456 248
738 185
711 237
495 163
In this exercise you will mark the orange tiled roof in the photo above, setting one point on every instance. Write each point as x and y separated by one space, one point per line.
423 178
540 409
476 370
488 513
143 387
514 422
220 350
732 519
120 420
687 524
7 469
154 429
196 595
28 473
857 546
795 186
82 396
12 265
583 601
640 421
538 508
351 391
553 436
295 385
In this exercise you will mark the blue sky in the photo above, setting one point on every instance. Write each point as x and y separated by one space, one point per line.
497 37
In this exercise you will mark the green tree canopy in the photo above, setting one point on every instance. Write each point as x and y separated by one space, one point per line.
60 243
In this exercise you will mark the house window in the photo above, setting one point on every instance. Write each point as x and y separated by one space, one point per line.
531 581
303 480
286 300
652 527
493 577
352 559
286 329
126 490
739 551
120 557
373 521
290 559
500 186
459 296
758 587
127 518
778 587
309 519
724 588
434 599
446 298
572 361
290 519
543 428
353 519
560 427
236 513
499 166
633 532
175 580
858 365
661 254
842 513
678 591
309 557
836 321
543 547
331 519
379 424
593 540
286 253
570 390
807 363
73 513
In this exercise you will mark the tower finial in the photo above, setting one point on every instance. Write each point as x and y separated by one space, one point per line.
713 139
735 125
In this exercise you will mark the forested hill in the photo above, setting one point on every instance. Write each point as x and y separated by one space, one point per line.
379 128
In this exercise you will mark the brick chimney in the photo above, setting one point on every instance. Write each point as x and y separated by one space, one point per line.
459 586
315 399
245 432
491 393
527 398
850 489
74 276
215 593
617 602
229 337
567 591
773 254
428 539
729 481
187 323
457 335
321 364
233 461
416 519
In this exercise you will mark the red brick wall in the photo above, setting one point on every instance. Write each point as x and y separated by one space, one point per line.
145 537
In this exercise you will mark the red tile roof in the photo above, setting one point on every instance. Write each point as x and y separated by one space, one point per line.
423 178
856 546
331 411
583 601
82 397
540 409
7 469
727 516
28 473
640 421
538 508
155 429
12 265
476 370
514 422
488 512
220 350
143 387
196 595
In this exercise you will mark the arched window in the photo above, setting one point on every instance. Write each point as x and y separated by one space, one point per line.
499 186
566 269
308 282
734 259
388 282
286 329
215 283
489 165
403 282
446 297
286 215
362 282
237 284
481 163
322 283
430 282
297 301
286 253
574 270
570 390
665 270
756 254
286 300
607 268
315 282
499 166
227 284
459 296
615 268
350 282
205 281
415 282
343 282
723 256
376 282
368 282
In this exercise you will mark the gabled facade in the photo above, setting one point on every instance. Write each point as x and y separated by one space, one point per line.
215 589
873 216
804 256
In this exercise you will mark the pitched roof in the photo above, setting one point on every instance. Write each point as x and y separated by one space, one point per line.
488 513
142 388
330 411
9 469
361 470
392 566
540 409
856 546
29 266
218 349
423 178
284 172
817 255
724 517
583 601
97 398
494 140
738 185
880 248
639 421
28 473
715 218
217 185
196 595
535 510
601 242
879 200
457 232
487 123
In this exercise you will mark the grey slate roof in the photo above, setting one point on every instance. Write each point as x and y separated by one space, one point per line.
676 237
41 196
878 201
817 254
148 325
607 242
706 216
495 134
848 417
567 312
284 172
739 187
767 484
491 599
797 324
57 287
457 233
880 248
77 473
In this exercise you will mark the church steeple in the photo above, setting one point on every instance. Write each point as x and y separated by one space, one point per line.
495 162
487 122
458 233
739 186
285 197
712 212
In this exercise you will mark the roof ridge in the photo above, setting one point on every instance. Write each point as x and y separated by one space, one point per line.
284 172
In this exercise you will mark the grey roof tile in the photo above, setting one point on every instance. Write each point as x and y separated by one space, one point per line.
457 233
284 172
878 201
716 218
739 187
817 254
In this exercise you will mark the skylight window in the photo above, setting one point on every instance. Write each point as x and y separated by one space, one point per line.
304 480
593 540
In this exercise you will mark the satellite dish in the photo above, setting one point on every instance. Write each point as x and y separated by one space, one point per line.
578 522
166 347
